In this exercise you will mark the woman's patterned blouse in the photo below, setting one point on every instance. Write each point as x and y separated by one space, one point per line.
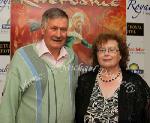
101 110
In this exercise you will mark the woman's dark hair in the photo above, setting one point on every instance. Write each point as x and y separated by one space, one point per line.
103 38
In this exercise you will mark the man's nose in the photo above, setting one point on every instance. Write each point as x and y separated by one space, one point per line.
58 32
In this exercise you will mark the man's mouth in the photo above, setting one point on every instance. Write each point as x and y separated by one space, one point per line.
57 39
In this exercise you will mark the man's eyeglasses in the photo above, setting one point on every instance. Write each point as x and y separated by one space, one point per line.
109 50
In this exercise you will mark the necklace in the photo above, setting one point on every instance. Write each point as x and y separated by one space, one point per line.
110 80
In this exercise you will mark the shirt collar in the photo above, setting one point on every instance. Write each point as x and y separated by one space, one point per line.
42 50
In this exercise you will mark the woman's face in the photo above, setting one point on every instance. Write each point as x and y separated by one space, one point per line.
108 54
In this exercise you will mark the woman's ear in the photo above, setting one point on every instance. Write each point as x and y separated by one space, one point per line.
120 57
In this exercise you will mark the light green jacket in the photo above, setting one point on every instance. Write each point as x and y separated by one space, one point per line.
38 92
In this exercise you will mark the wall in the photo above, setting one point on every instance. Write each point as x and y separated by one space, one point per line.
4 40
138 27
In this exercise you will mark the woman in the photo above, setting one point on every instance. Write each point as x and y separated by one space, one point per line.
109 93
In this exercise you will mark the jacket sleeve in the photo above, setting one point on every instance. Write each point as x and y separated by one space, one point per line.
147 108
11 96
146 93
78 103
148 111
83 93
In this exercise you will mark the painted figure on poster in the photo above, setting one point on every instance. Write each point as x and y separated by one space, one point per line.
75 31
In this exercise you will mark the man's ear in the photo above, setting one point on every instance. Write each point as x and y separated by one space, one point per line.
42 30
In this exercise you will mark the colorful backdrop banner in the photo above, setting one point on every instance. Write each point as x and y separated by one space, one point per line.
88 18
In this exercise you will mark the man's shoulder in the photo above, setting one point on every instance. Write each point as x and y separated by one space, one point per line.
71 54
27 46
24 47
69 50
20 50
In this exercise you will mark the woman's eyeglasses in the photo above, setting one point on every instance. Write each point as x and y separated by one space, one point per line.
109 50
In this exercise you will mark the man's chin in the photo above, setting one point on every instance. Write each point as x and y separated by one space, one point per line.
58 46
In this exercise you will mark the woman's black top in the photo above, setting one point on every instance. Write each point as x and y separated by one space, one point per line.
133 97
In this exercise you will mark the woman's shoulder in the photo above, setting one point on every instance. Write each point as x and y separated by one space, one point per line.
87 78
89 74
127 74
135 79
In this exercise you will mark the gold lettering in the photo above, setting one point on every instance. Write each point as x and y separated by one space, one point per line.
104 3
114 3
83 2
52 1
74 2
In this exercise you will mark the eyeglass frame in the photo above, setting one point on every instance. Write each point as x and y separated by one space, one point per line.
109 50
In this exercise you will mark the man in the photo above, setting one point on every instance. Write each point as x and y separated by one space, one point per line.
41 81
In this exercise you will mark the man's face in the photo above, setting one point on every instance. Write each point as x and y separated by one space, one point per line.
55 33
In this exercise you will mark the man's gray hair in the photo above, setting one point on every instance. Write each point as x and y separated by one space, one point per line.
53 13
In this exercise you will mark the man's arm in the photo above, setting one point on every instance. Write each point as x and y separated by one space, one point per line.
11 94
